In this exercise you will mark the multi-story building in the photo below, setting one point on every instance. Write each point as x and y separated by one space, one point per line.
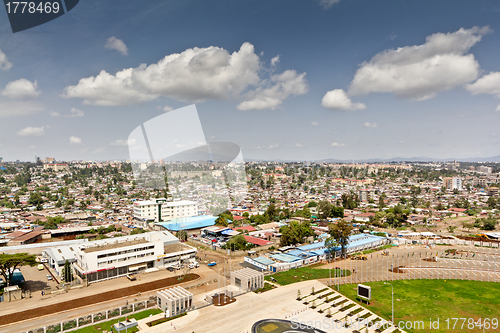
452 183
366 194
161 210
113 257
482 182
485 169
56 166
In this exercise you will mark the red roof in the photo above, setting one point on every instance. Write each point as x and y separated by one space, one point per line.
458 210
257 241
249 228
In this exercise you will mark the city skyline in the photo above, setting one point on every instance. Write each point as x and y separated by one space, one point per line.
292 81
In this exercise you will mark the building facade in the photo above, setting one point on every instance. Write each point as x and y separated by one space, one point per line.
161 210
247 279
114 257
174 301
452 183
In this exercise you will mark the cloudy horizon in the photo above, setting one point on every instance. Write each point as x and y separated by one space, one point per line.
287 80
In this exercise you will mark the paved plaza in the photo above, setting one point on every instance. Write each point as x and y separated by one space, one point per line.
280 303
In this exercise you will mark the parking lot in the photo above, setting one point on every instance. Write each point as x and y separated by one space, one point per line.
37 280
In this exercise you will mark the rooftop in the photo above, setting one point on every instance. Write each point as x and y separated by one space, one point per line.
117 244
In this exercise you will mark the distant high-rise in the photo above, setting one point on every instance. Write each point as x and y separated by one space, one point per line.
485 169
452 183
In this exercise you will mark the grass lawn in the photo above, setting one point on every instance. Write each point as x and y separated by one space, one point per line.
106 325
422 300
267 287
303 274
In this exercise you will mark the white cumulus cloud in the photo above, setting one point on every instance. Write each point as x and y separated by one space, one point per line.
421 71
167 108
74 112
75 140
272 93
275 60
314 123
370 125
31 131
21 89
498 109
488 84
5 64
337 99
114 43
193 75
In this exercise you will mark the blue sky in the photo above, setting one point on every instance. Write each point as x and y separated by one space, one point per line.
283 79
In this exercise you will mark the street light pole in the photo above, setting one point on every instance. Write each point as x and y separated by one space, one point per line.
392 301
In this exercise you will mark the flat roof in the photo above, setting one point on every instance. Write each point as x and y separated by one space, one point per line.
172 248
263 261
187 223
115 245
285 257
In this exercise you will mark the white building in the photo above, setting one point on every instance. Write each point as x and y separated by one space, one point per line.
161 210
452 183
174 301
485 169
114 257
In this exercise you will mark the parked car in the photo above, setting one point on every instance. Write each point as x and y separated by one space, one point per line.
49 277
170 269
40 267
213 263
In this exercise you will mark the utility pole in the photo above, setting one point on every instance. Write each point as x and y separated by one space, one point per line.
392 288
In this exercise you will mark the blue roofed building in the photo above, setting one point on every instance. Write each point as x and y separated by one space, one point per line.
188 223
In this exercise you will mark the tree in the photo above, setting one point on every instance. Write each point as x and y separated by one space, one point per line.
340 232
35 199
272 212
381 202
468 225
222 221
295 232
325 209
238 243
332 245
67 272
9 262
182 235
489 224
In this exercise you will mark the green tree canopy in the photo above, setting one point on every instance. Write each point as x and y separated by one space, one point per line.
341 231
9 262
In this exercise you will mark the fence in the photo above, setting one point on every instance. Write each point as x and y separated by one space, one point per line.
479 264
96 318
447 242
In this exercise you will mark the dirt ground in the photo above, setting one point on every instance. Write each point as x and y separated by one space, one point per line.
89 300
